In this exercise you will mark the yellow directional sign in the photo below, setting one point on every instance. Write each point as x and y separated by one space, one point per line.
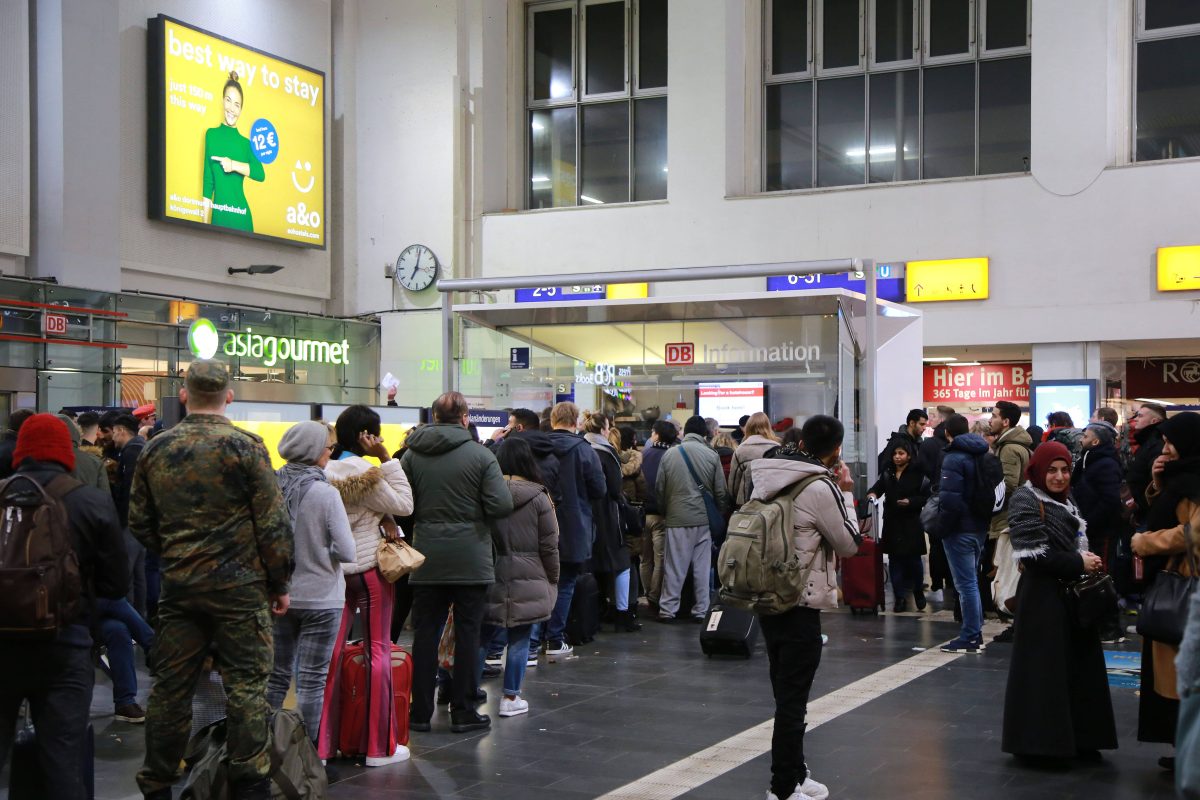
950 279
1178 268
627 291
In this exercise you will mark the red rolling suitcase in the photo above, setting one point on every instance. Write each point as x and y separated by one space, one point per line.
862 579
352 735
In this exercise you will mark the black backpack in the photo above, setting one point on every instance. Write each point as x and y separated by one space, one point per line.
987 496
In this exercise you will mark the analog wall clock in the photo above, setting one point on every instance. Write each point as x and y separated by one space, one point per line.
417 268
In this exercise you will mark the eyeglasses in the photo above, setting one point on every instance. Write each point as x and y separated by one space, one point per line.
330 447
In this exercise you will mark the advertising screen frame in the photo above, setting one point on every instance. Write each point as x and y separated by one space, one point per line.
156 82
1037 414
766 396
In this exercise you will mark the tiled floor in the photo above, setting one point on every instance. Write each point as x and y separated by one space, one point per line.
632 704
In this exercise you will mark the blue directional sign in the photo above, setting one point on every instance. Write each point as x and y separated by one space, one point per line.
518 358
550 294
887 286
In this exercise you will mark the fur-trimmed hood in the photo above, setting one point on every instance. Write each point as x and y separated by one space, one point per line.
355 487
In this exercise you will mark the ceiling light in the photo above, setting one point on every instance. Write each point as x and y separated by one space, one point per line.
540 179
587 199
966 364
538 126
1157 402
939 358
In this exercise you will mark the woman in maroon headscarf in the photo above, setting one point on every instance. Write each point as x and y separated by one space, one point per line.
1057 705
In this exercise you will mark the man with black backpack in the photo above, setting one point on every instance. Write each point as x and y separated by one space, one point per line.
73 554
967 496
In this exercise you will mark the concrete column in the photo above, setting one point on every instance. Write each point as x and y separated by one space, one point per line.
1067 360
77 233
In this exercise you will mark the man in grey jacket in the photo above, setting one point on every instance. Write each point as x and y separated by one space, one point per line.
681 501
821 520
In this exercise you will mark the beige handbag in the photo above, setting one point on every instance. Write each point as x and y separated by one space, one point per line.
396 557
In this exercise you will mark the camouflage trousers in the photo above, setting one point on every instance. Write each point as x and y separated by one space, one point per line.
235 625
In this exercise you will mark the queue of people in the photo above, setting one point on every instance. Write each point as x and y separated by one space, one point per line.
272 571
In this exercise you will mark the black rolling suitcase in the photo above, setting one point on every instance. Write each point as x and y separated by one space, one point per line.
583 620
729 632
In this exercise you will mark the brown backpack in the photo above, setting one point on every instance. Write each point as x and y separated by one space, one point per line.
41 585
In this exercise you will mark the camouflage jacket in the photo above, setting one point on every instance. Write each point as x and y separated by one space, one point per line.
206 499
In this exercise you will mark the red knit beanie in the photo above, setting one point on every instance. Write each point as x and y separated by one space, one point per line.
44 437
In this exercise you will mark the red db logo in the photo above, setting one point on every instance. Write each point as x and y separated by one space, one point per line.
680 354
54 324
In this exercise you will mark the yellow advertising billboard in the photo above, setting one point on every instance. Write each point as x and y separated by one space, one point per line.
946 280
1179 268
237 137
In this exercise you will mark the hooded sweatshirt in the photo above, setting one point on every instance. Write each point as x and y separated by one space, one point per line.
820 521
458 493
751 449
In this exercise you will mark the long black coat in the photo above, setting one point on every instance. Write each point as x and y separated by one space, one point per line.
1057 703
1096 485
609 553
903 534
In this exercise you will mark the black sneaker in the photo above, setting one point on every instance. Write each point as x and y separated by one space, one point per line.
130 713
1005 636
960 645
419 727
465 720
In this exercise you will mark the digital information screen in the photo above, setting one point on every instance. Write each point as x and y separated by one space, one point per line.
1077 398
729 402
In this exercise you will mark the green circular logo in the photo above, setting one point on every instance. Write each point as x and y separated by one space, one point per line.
202 338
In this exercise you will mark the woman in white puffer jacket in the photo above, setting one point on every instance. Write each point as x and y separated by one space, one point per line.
372 495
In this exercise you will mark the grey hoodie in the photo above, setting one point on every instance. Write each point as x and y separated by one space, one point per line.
820 521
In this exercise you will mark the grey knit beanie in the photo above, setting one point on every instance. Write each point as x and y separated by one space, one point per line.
304 442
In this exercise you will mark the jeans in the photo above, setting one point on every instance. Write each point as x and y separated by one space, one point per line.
908 574
793 641
57 680
621 591
963 552
516 658
119 625
568 573
431 604
304 639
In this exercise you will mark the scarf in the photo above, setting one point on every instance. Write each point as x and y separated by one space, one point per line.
294 481
1058 525
1180 478
1039 465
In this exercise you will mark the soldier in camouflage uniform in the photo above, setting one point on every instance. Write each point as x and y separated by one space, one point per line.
206 500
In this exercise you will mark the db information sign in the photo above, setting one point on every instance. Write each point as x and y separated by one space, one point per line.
54 324
680 354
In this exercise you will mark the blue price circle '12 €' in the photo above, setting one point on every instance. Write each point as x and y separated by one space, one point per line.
264 141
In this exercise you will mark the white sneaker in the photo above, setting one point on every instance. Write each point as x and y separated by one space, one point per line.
937 597
796 795
401 754
494 661
532 662
810 788
511 708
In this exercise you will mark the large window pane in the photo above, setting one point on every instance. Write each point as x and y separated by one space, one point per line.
1006 23
650 149
893 30
1170 13
552 158
652 44
604 24
949 27
840 130
949 121
552 37
789 136
604 152
789 36
895 122
840 33
1168 98
1004 90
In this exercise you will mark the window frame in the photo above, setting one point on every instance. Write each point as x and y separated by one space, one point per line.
626 54
972 52
1001 52
1141 34
816 62
635 74
579 99
532 10
769 74
872 49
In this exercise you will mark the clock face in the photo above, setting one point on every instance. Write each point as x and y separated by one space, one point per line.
416 268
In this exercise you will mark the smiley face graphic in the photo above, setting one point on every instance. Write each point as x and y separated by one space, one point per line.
312 179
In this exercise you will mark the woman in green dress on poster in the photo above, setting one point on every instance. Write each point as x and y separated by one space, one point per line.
228 161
